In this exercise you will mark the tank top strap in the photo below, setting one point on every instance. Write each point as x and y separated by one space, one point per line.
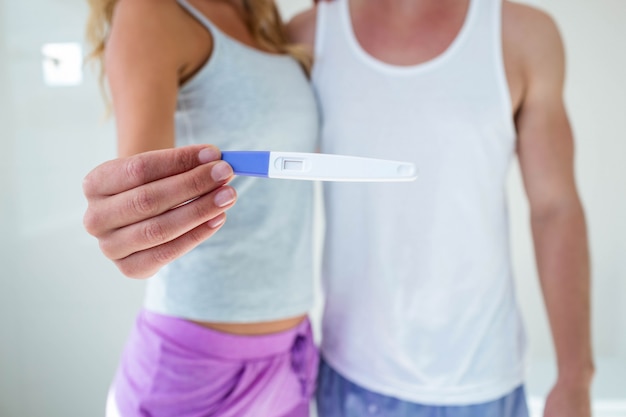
329 30
214 30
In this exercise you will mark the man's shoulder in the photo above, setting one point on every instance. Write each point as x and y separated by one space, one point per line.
532 42
301 28
529 27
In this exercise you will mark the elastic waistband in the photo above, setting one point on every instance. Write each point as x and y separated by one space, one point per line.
213 343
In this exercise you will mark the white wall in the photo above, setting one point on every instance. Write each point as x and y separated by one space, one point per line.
65 311
7 215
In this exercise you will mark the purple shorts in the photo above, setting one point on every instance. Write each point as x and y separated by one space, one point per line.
174 368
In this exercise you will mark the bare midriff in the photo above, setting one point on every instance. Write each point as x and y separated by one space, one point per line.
254 329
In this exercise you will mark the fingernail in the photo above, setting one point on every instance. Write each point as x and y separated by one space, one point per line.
216 222
221 171
224 197
208 155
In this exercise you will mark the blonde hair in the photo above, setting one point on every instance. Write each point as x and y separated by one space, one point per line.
262 18
97 32
268 30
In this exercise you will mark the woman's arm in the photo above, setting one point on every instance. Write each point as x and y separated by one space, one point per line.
144 58
136 203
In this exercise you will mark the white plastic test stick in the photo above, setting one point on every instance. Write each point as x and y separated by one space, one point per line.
318 167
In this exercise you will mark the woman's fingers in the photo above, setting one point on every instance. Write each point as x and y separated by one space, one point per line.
123 174
155 198
149 209
168 226
146 263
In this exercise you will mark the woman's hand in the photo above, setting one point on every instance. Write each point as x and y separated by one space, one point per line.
149 209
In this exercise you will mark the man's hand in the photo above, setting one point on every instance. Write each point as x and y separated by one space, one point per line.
567 400
151 208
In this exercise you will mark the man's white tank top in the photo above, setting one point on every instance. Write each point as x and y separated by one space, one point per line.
420 299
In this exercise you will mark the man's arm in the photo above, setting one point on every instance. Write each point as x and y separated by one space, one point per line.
301 28
546 155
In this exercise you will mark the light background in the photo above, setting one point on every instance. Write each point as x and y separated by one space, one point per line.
65 311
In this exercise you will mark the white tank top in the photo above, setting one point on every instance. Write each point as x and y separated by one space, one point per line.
258 266
420 300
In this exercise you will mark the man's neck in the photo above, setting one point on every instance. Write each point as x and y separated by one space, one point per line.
407 9
406 32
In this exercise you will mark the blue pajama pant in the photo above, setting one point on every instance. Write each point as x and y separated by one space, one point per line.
338 397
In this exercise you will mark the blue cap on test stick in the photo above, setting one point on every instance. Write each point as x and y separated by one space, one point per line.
249 163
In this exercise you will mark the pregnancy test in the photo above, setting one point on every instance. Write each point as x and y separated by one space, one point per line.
317 166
